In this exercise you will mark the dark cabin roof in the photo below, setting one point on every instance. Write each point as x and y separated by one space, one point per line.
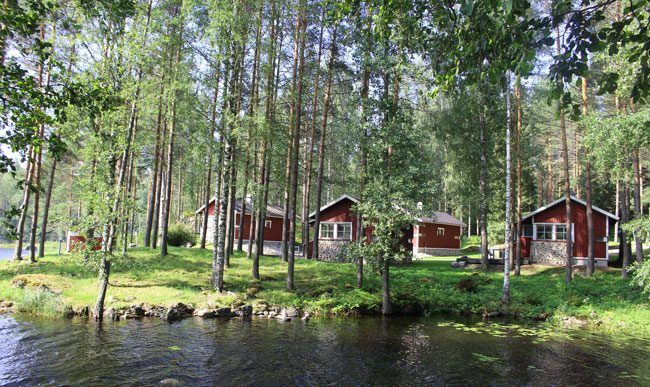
435 217
272 210
441 218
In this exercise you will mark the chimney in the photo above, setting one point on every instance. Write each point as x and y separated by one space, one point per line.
419 206
249 198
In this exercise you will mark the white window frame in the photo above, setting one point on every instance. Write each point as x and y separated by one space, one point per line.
339 227
268 223
440 231
554 231
336 230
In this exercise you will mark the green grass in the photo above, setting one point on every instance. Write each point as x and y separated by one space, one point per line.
426 286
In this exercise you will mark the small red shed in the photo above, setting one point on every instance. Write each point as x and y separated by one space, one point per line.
272 229
544 233
437 234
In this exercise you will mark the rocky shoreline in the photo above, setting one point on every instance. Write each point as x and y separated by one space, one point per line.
177 311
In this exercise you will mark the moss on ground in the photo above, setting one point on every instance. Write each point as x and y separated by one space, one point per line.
606 300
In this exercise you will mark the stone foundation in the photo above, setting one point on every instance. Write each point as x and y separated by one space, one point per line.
547 252
270 247
421 252
552 253
332 251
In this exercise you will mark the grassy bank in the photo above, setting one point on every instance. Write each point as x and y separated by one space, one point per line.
427 286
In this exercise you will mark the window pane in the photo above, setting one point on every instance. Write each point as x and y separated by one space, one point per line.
527 231
560 232
344 231
544 232
326 231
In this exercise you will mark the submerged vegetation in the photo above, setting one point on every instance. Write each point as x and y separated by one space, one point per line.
605 301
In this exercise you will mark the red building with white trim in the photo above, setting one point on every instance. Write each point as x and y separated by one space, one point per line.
544 233
437 234
272 229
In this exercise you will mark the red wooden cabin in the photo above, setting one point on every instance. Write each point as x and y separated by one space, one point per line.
544 233
272 229
437 234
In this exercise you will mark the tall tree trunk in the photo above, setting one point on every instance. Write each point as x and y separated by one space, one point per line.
618 208
39 158
567 183
365 88
157 168
591 240
127 195
638 210
27 190
321 149
172 130
505 294
386 305
219 240
161 178
251 113
206 197
624 247
296 149
230 208
46 208
310 151
292 128
518 148
264 167
179 204
482 181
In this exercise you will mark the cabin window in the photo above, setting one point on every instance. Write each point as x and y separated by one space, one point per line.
560 232
441 231
344 231
267 223
332 230
545 232
527 231
327 230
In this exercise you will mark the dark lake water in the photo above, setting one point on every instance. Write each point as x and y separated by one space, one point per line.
399 351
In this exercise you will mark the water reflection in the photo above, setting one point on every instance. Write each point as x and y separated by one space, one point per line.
364 351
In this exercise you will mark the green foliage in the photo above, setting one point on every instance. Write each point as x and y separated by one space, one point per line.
40 301
180 235
641 275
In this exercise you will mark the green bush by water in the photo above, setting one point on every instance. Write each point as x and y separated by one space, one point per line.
42 302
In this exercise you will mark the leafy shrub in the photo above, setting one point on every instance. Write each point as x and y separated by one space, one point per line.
641 275
179 235
41 302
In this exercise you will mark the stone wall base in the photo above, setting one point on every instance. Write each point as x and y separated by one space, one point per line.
333 251
270 247
421 252
553 253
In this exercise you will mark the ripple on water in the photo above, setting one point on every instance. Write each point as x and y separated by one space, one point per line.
368 351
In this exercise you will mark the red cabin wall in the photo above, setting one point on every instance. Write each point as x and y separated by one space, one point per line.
274 233
341 212
557 214
431 239
247 226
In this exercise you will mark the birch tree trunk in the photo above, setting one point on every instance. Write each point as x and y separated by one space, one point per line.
505 295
